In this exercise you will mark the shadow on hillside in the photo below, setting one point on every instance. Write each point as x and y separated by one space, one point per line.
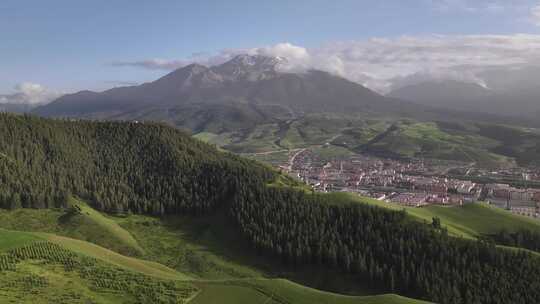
218 235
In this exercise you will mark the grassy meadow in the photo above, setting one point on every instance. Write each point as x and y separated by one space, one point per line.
487 145
469 221
188 260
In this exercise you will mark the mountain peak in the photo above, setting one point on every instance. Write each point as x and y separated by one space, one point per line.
256 60
246 79
249 67
195 68
184 77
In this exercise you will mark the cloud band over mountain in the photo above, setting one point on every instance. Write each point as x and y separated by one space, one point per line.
384 63
28 93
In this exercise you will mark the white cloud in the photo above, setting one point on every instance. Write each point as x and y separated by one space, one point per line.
153 64
30 93
450 5
535 15
286 50
382 63
520 11
480 6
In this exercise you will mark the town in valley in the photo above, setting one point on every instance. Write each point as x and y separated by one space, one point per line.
418 182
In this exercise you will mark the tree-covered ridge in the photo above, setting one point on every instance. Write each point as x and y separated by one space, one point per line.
118 167
154 169
522 238
386 247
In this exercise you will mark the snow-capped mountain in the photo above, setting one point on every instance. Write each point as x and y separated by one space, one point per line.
244 79
249 68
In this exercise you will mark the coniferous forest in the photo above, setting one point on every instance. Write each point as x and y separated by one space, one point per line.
522 238
118 167
157 170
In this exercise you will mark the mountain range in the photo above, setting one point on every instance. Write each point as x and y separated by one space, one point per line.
17 103
251 104
16 107
513 97
253 89
253 86
447 94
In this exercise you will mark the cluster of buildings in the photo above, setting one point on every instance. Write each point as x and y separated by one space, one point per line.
519 201
413 183
405 183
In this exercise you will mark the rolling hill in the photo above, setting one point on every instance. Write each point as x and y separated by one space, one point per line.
199 222
80 151
38 267
82 223
64 270
486 144
469 221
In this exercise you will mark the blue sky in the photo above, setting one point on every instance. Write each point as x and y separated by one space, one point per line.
71 45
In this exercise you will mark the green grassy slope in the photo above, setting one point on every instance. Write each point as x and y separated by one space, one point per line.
209 254
485 144
88 225
13 239
521 143
189 245
283 292
205 253
479 219
216 139
471 220
258 139
50 280
44 268
109 226
208 248
106 255
414 139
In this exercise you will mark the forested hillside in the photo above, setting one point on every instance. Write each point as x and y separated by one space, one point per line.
153 169
118 167
386 247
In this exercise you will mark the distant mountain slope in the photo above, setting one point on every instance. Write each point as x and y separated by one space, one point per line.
244 79
448 94
519 100
486 144
253 104
409 139
16 107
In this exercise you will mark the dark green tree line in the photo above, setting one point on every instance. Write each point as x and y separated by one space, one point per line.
522 238
118 167
385 246
157 170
